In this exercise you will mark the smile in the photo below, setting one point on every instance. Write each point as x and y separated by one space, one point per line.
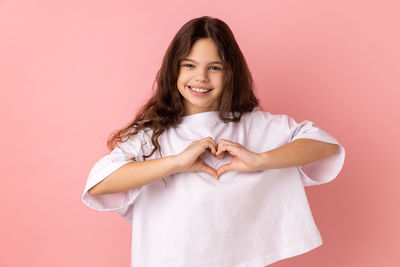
198 91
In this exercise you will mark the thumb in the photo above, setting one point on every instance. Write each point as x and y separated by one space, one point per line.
225 168
207 169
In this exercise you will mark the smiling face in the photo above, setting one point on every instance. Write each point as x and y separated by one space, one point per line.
201 77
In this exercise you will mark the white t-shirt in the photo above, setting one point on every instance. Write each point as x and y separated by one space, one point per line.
242 219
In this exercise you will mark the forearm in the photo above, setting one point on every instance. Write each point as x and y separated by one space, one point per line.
297 153
135 174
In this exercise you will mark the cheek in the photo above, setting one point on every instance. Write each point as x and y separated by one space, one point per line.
220 77
221 81
181 85
181 80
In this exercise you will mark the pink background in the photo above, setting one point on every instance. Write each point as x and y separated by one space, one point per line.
73 71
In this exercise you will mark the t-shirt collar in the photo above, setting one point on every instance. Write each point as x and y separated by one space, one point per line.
201 118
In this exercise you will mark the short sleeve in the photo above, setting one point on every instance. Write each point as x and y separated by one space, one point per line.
121 203
321 171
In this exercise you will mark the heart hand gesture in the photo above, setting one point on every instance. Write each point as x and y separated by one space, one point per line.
243 160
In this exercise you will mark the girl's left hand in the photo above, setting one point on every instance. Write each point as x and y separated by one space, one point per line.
243 160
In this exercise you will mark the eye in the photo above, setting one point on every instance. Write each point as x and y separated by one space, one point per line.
187 65
216 68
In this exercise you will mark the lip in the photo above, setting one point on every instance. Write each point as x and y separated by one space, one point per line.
197 93
199 87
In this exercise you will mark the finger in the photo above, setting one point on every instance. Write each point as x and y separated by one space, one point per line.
209 143
221 149
226 141
205 144
224 168
231 149
212 148
207 169
215 146
210 139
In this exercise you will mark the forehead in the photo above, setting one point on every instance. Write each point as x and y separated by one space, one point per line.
204 50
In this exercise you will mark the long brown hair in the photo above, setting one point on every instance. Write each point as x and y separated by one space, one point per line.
165 107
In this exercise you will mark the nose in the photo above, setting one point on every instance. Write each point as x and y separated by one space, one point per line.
201 75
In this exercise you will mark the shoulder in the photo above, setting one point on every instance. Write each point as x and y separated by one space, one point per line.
135 144
258 115
142 137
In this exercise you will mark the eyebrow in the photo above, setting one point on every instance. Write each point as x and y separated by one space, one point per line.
212 62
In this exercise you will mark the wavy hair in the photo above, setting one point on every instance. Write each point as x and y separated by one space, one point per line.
166 105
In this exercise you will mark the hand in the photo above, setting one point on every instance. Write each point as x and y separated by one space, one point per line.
189 160
243 160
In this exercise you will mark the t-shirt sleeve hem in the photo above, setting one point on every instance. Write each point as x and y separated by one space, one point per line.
116 202
324 170
321 171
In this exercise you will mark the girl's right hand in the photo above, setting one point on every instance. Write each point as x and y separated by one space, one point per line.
189 160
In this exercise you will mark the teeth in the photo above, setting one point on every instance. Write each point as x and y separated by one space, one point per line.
200 90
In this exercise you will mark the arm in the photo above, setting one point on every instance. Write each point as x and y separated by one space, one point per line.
135 174
296 153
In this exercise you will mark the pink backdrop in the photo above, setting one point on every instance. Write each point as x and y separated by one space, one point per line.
73 71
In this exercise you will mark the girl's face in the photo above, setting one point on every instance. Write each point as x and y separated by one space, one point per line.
201 77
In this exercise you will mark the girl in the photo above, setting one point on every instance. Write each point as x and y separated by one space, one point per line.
203 174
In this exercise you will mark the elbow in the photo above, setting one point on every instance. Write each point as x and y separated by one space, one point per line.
94 191
333 150
337 149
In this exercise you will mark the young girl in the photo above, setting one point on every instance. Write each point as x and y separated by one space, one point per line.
203 175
